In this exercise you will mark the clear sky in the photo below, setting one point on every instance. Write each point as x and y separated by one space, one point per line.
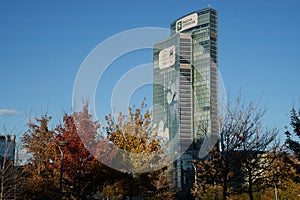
43 44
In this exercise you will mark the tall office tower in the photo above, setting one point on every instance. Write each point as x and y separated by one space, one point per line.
185 89
7 148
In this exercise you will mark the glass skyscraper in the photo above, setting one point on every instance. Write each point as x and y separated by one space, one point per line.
185 89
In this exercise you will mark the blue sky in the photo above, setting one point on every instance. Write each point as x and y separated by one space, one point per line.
43 44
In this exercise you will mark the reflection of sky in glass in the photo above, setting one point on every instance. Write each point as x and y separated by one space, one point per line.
7 148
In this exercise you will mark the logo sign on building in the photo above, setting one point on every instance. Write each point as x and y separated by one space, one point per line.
166 57
187 22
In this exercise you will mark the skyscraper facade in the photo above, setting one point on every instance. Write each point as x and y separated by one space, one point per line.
7 148
185 89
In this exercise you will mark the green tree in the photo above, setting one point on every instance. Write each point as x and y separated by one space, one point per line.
292 142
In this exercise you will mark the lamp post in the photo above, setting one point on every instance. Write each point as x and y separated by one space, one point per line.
61 144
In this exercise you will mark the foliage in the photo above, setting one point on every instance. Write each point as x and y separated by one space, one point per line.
76 156
293 143
244 161
210 192
38 142
290 190
82 173
163 186
141 148
116 190
210 178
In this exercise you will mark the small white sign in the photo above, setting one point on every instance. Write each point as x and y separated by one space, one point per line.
187 22
166 57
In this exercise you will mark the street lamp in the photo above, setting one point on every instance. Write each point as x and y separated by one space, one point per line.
61 144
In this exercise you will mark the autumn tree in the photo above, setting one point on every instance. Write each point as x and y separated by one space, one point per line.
258 148
210 177
140 149
87 129
163 185
38 142
284 179
135 136
83 173
117 190
76 156
245 157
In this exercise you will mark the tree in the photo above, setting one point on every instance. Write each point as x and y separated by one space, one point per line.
244 159
88 131
163 186
212 175
284 184
293 144
38 142
117 190
140 150
83 173
76 157
11 174
258 148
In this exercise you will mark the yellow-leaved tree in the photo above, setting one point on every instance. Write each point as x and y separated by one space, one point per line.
141 151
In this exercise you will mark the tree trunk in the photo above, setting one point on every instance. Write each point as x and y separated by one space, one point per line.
250 191
3 173
131 185
225 191
2 184
225 181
